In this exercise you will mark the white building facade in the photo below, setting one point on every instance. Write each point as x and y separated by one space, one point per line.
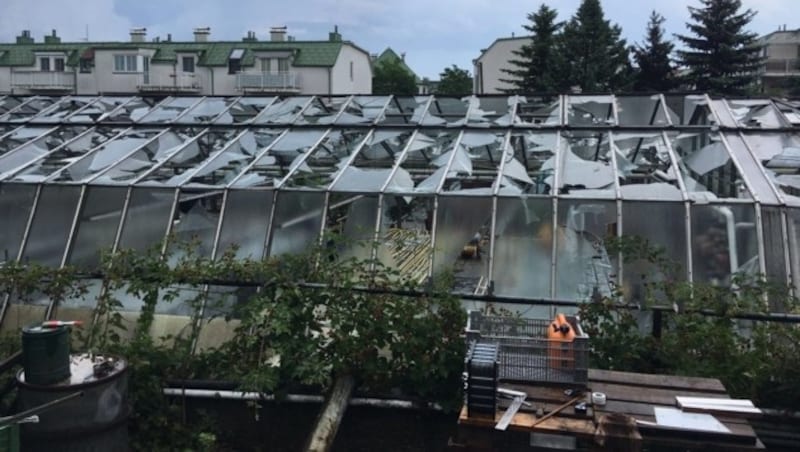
488 67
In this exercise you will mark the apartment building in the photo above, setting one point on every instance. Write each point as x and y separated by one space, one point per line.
782 52
279 65
488 67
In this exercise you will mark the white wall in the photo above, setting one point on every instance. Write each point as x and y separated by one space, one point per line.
781 51
313 80
224 83
5 79
488 66
361 83
109 81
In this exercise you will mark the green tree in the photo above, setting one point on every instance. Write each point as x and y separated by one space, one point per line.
655 71
536 63
390 77
595 57
454 81
721 56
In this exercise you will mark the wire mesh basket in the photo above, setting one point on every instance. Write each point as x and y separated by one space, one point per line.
527 355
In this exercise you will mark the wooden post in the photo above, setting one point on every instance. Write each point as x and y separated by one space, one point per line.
331 415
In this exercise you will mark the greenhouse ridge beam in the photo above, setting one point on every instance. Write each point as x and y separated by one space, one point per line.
539 180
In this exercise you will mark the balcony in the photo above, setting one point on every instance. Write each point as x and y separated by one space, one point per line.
41 81
169 83
782 67
268 82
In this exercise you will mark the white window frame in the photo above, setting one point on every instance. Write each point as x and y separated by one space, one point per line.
51 59
126 63
184 60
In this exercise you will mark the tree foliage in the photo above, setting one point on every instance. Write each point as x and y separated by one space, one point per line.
390 77
721 56
655 71
536 66
595 57
454 81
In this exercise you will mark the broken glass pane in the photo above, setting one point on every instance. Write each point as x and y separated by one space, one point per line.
97 226
297 222
590 111
51 225
723 242
404 242
462 239
641 111
245 223
538 111
16 201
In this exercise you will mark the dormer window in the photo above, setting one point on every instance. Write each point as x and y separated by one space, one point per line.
235 61
49 63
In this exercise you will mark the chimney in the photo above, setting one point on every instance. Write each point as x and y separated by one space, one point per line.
201 34
251 37
25 37
138 34
52 38
335 36
169 37
402 56
277 34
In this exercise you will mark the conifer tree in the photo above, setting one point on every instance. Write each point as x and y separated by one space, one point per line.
721 56
536 64
654 71
595 57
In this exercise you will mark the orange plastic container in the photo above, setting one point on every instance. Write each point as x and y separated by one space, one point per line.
560 335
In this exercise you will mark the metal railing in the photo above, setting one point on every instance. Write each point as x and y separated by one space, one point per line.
43 80
268 81
782 66
169 82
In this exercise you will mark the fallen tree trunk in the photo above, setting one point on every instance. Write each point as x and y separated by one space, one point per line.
331 416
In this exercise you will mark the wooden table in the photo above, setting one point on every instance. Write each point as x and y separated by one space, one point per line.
632 394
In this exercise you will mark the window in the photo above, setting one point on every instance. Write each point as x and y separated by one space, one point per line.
283 65
235 61
59 64
266 65
125 63
188 63
44 64
85 65
351 71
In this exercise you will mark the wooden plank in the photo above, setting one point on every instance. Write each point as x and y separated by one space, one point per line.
656 381
645 410
647 395
523 421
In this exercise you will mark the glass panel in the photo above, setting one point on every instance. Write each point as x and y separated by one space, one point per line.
590 111
523 247
207 110
586 166
663 224
405 110
283 156
51 224
98 110
146 219
538 111
244 110
322 110
132 111
223 166
31 108
36 148
583 266
423 166
97 225
352 218
641 111
755 113
298 217
774 247
404 242
245 223
476 163
535 152
169 110
447 110
283 111
16 201
9 103
706 166
462 233
21 136
65 108
491 111
369 170
793 232
363 110
780 157
645 168
196 221
723 242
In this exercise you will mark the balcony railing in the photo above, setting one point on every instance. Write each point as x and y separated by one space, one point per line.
782 66
184 83
268 81
43 81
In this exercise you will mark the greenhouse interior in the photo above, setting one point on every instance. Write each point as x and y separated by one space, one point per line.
515 195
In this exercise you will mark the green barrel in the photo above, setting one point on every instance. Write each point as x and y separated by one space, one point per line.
45 354
9 438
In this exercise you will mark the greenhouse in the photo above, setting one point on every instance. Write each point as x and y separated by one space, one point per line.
515 195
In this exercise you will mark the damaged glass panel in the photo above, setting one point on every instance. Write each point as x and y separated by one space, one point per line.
424 164
130 146
64 155
283 156
523 247
476 164
373 165
755 113
9 103
244 109
16 139
195 222
534 153
64 109
245 223
29 109
324 163
463 225
51 225
131 111
644 167
97 226
780 157
641 111
583 265
180 165
350 225
282 111
207 111
16 201
223 166
706 166
586 166
146 220
534 111
590 111
491 111
774 249
99 109
405 110
297 222
363 110
447 111
404 236
691 110
723 243
321 110
169 110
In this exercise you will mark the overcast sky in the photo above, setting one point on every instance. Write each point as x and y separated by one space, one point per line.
432 33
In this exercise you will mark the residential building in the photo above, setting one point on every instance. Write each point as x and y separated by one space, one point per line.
782 52
488 67
281 65
424 85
